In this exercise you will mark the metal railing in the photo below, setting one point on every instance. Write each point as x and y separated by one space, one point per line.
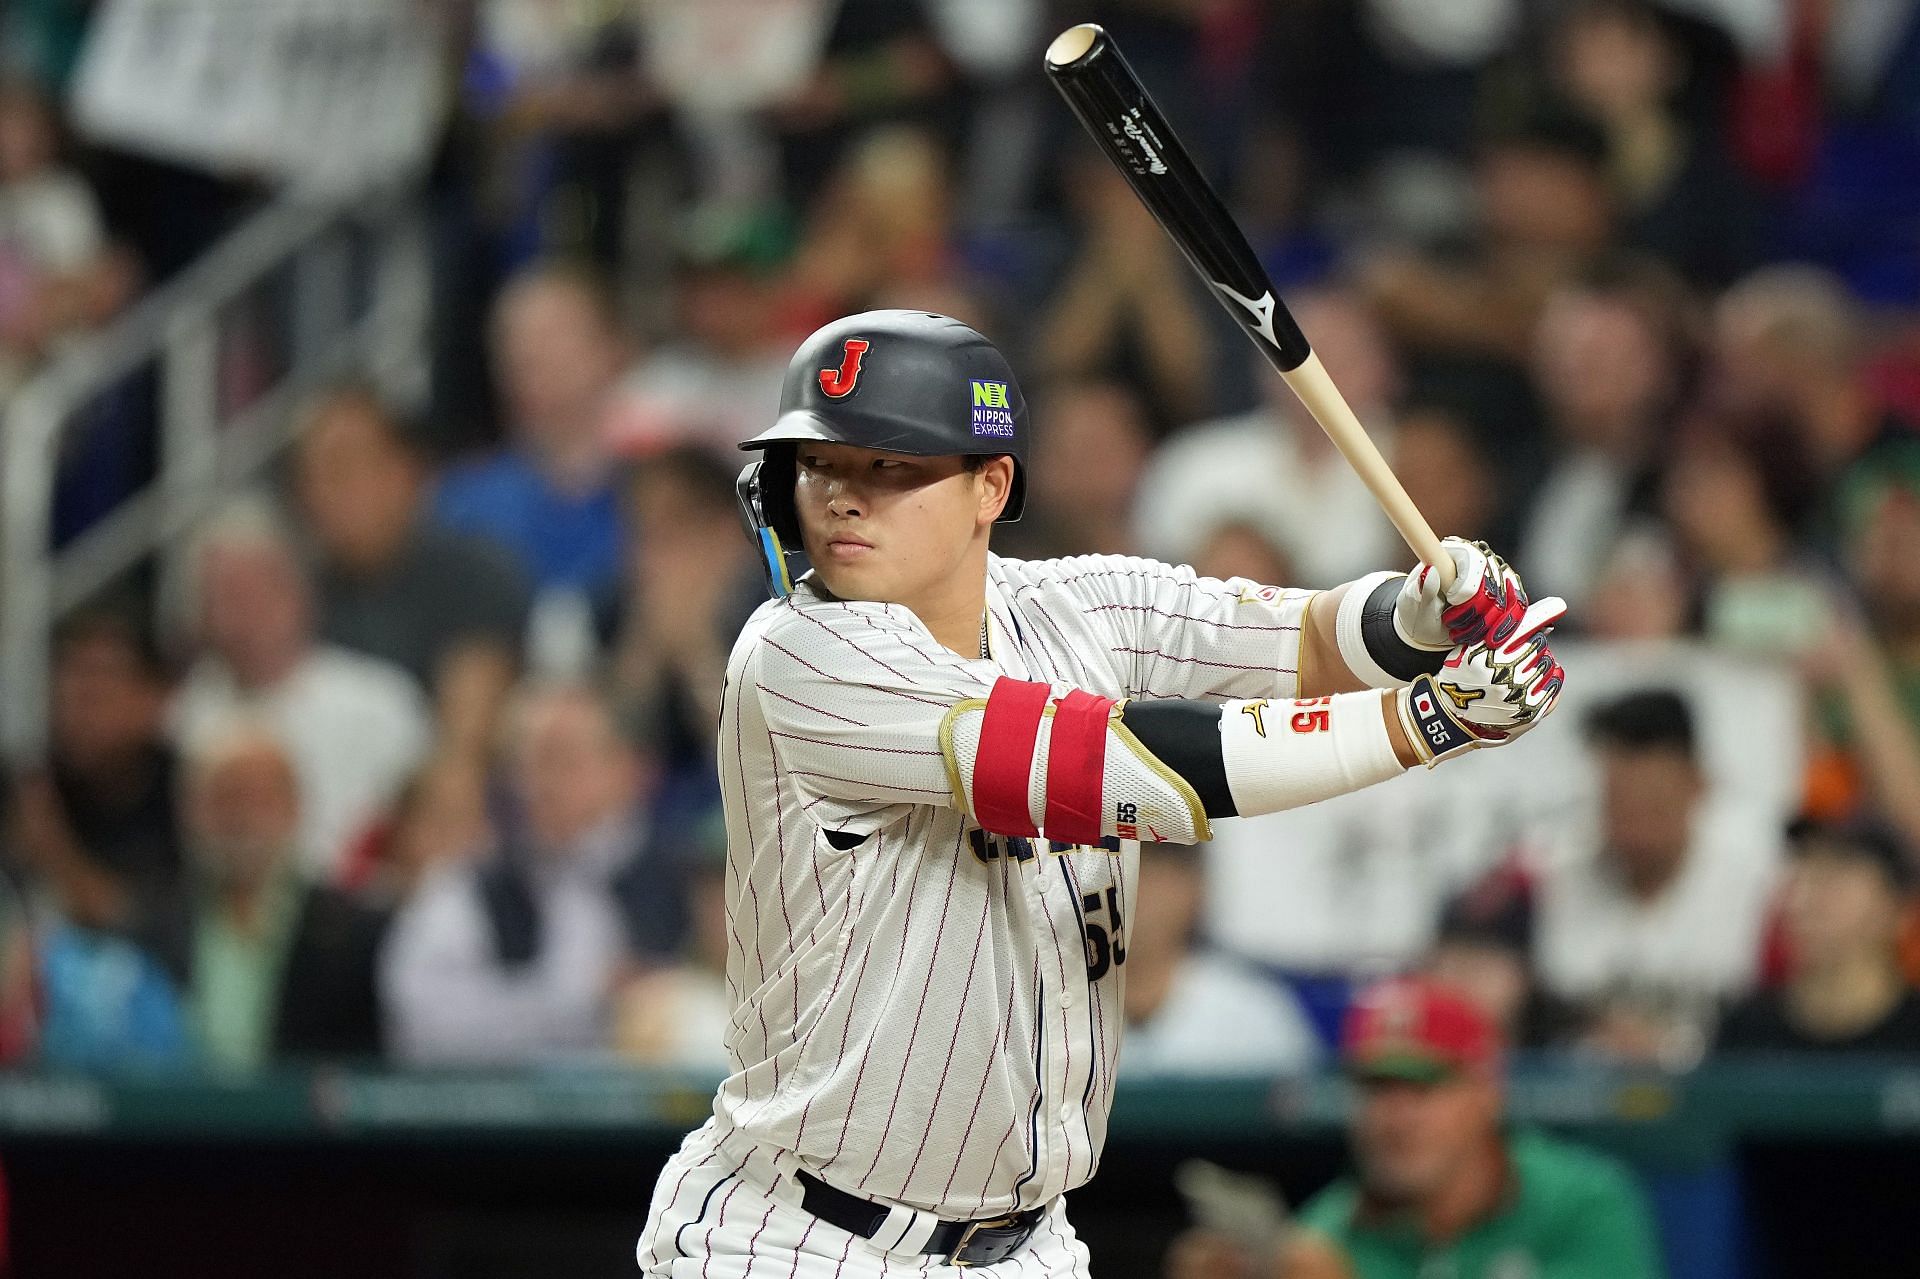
218 361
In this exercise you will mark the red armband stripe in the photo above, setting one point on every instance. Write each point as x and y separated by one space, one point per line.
1003 767
1076 768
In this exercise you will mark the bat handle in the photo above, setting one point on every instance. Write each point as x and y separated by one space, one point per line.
1330 409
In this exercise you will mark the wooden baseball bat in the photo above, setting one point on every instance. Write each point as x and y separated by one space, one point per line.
1085 65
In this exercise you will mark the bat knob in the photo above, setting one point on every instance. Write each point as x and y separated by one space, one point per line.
1074 44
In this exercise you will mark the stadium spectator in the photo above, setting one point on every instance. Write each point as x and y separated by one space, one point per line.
19 1015
79 998
1641 590
450 610
1193 1009
1330 529
1451 469
881 235
1647 920
1790 352
1735 511
678 1015
440 818
1424 78
1624 64
549 497
272 967
515 957
354 726
879 63
714 377
1441 1187
564 98
58 273
1232 547
1126 307
1087 465
1605 361
692 581
1483 947
99 822
1845 893
1865 668
1335 889
1546 217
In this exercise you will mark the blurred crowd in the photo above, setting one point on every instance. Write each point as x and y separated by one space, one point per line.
1629 289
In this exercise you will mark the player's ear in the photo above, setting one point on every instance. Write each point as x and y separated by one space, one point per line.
994 483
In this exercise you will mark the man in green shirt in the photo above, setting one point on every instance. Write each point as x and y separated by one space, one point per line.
1442 1190
271 968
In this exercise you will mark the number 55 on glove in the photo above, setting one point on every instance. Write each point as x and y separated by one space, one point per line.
1487 694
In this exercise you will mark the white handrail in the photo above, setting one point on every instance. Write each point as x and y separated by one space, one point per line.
176 331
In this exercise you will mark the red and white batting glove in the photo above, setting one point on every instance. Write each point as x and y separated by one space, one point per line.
1485 601
1488 692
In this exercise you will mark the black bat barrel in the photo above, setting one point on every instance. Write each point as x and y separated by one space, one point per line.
1085 65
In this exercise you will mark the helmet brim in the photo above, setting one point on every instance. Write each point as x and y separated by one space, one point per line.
797 426
869 431
792 428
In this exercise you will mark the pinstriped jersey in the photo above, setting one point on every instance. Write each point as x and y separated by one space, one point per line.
924 1013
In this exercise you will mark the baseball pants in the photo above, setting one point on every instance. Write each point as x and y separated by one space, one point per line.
728 1210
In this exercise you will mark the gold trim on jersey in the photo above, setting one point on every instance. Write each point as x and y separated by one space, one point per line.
1300 657
954 781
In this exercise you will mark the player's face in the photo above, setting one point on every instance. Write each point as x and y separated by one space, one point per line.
1412 1139
890 526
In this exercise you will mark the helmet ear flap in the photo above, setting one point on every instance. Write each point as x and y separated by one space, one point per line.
778 475
765 493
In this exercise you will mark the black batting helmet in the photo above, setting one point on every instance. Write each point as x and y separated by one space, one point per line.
903 381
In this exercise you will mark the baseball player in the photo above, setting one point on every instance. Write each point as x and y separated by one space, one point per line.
937 765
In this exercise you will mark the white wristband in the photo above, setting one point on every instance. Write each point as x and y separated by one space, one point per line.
1347 633
1282 754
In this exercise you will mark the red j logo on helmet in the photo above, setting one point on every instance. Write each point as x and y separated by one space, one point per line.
838 383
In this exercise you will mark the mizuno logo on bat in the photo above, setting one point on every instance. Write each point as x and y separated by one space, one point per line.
1260 308
1131 127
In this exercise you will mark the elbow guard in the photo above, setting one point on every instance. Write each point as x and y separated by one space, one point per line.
1025 762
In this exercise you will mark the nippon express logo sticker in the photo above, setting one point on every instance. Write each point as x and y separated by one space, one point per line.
992 412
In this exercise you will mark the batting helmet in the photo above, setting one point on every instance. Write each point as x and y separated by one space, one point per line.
903 381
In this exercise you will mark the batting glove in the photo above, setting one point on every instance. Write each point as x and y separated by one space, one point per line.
1490 691
1486 596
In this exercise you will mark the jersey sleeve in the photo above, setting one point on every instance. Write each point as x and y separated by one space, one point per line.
867 714
853 697
1175 633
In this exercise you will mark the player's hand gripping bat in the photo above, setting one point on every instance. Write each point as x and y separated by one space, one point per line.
1086 67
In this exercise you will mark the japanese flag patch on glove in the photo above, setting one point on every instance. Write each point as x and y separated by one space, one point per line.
1489 691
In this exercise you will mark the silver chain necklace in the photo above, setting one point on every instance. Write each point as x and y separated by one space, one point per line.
983 637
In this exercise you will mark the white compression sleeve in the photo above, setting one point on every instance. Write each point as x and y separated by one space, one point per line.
1281 754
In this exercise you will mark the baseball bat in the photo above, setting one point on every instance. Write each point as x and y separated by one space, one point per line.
1085 65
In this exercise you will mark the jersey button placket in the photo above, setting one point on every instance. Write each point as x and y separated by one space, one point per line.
1070 940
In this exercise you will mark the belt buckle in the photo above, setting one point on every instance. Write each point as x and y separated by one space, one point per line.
954 1258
